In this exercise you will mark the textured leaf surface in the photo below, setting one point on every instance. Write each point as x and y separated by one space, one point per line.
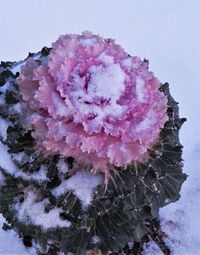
117 214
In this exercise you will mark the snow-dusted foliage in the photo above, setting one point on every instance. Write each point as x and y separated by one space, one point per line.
33 212
82 184
7 163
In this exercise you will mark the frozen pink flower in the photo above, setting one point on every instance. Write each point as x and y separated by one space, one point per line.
92 101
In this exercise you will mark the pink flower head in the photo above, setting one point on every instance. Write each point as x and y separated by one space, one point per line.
90 100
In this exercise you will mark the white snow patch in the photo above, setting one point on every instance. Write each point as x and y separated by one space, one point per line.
4 124
95 239
3 90
16 108
180 221
33 212
5 87
11 244
39 176
62 166
151 248
17 67
5 160
130 245
106 59
19 157
37 56
87 42
10 167
101 112
106 82
140 89
82 184
61 107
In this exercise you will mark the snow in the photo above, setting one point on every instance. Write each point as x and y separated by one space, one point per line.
4 124
9 166
2 92
106 59
95 239
140 89
39 176
16 108
152 249
20 157
82 184
62 166
5 87
11 244
5 160
180 221
17 67
130 245
106 82
33 212
61 108
165 32
87 42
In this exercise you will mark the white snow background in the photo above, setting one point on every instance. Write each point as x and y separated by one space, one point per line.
167 32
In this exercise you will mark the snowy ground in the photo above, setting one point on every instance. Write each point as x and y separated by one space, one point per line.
165 31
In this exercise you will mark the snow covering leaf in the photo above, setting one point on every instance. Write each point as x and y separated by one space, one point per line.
117 214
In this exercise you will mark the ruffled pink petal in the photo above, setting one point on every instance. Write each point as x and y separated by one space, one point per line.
89 99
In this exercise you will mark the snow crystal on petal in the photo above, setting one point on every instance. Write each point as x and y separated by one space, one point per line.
140 91
106 82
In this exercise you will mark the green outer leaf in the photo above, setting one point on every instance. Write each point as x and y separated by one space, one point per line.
116 215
